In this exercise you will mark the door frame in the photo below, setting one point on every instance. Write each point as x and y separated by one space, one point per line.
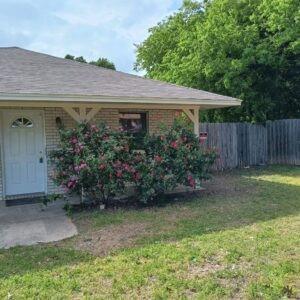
2 140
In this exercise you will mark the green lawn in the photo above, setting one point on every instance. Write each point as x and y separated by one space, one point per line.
238 239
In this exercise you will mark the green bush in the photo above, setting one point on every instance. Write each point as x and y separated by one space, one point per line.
172 158
92 161
98 163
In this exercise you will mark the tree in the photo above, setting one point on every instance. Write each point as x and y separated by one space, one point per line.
101 62
245 49
72 57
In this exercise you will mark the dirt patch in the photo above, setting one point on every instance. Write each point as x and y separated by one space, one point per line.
198 271
110 238
227 184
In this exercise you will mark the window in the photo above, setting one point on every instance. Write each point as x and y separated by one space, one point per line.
134 123
22 122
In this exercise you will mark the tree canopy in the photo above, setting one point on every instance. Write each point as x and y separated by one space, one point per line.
101 62
248 49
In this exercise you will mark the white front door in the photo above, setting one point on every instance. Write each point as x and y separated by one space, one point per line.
24 161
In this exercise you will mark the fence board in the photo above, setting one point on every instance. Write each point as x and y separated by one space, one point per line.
244 144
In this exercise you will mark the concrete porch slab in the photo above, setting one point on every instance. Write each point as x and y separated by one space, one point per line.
29 224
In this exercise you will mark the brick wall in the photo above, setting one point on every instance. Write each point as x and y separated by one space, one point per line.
52 139
109 116
159 118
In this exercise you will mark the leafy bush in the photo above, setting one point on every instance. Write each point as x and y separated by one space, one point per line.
98 163
170 159
92 161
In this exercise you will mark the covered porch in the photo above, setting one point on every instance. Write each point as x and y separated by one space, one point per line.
29 131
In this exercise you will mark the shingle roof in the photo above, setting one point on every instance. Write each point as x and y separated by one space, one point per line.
27 72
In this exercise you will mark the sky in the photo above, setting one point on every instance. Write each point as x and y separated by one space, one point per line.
91 28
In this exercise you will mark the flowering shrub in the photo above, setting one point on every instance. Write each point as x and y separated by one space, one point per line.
172 158
92 161
97 162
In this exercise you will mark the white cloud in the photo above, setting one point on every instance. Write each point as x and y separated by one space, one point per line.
92 28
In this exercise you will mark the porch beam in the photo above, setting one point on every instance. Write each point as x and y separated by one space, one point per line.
193 115
82 116
90 115
73 114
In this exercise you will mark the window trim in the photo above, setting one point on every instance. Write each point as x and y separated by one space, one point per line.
146 113
22 125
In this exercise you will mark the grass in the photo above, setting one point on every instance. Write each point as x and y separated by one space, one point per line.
239 239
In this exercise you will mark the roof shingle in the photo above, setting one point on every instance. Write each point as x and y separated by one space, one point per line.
27 72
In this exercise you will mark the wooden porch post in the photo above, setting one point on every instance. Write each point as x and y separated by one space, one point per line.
194 117
196 122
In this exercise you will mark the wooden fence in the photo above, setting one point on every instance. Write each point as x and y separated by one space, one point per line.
244 144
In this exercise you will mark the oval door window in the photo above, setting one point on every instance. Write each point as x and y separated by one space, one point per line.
22 122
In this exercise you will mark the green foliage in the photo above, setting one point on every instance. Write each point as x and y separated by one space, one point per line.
101 62
171 159
98 163
72 57
246 49
92 161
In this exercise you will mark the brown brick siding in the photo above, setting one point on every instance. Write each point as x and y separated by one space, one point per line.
110 117
159 118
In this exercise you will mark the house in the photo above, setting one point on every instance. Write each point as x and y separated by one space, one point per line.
38 92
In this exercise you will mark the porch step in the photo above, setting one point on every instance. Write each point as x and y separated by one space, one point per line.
23 201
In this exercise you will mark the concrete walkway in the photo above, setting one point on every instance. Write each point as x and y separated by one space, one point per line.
29 224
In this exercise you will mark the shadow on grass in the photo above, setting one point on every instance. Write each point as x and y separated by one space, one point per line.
249 197
21 260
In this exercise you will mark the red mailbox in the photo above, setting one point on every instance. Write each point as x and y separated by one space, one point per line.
202 137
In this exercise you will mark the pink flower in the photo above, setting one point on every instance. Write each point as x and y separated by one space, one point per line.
94 128
126 167
174 144
158 158
74 140
191 181
80 167
117 164
78 148
119 173
102 166
71 184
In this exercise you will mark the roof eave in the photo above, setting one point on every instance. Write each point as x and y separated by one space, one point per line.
98 99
